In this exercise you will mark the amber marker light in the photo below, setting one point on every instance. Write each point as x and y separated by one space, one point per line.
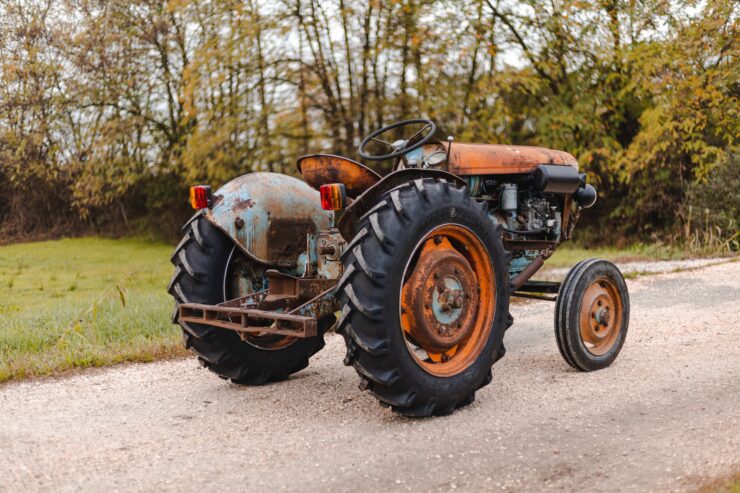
333 196
200 197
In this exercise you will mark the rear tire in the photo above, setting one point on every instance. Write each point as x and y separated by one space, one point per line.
592 315
375 262
201 264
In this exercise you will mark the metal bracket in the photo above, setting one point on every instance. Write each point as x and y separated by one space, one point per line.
292 307
285 287
535 289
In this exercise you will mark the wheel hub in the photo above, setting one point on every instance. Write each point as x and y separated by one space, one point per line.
440 297
598 317
602 316
449 294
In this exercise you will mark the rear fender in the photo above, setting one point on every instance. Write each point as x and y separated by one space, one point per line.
273 218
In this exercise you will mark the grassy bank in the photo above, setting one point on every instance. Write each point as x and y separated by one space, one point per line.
568 255
83 302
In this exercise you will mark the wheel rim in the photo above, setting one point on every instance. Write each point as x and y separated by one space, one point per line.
242 278
447 300
600 318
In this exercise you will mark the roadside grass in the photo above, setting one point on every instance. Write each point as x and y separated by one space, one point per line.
733 486
728 484
568 255
83 302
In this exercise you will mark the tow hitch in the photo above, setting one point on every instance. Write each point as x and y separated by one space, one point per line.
291 306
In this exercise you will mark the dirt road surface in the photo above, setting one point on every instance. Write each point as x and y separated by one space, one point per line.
664 417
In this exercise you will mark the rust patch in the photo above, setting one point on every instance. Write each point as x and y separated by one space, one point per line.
283 286
440 297
249 321
286 239
241 204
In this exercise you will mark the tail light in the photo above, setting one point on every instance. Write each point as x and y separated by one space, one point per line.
333 196
200 197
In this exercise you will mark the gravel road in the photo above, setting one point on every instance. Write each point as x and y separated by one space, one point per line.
664 417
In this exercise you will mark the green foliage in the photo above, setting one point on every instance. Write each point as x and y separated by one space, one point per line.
102 302
108 110
711 211
692 124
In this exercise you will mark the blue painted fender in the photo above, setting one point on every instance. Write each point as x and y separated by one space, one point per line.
273 218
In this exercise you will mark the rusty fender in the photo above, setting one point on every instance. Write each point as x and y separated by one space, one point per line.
274 218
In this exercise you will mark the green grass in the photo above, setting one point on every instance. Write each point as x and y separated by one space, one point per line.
729 484
84 302
568 255
732 486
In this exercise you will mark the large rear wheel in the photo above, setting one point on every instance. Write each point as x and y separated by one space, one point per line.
425 298
209 269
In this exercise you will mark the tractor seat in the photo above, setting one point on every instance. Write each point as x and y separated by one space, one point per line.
320 169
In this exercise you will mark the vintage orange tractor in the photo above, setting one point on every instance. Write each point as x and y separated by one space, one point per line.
415 269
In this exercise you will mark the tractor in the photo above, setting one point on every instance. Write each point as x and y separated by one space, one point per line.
415 269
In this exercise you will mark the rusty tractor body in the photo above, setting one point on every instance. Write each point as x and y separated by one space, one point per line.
418 266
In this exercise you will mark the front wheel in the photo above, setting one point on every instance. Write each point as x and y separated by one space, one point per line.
425 298
592 315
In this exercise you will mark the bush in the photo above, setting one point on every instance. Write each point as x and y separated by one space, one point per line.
711 212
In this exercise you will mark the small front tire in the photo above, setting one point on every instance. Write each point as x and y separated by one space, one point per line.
592 315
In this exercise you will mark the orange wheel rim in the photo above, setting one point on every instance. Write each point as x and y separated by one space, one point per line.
448 300
600 317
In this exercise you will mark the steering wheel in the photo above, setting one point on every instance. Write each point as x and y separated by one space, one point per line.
399 147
